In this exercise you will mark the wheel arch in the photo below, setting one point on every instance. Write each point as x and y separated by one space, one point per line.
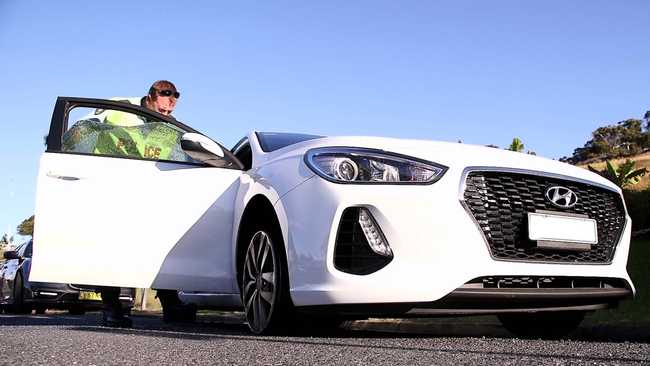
259 207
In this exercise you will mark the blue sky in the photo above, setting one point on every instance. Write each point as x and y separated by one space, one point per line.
483 72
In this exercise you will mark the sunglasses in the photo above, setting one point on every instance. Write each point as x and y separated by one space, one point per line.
168 93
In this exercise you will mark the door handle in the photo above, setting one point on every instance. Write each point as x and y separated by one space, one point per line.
62 177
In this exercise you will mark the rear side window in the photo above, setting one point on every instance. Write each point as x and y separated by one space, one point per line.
121 134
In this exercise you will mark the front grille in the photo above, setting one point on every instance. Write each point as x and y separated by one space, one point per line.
500 202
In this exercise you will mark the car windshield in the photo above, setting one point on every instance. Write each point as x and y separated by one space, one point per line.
271 141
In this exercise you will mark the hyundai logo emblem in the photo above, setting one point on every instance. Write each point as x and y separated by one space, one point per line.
561 196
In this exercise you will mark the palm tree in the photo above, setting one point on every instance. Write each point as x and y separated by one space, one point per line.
5 241
624 175
516 145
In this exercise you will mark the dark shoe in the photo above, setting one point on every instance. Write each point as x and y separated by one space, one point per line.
179 313
111 320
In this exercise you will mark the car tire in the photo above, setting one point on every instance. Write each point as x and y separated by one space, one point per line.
19 306
264 281
556 324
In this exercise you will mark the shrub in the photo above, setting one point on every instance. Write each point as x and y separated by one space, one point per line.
638 207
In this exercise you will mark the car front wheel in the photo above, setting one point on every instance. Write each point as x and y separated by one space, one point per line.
19 306
264 284
554 324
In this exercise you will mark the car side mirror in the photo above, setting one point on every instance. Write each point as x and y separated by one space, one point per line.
11 254
202 149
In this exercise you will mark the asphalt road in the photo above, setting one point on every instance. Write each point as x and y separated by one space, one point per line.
65 339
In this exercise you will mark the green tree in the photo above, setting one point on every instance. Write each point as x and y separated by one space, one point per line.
516 145
624 138
26 228
646 134
624 175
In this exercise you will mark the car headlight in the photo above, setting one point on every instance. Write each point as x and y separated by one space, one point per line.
361 165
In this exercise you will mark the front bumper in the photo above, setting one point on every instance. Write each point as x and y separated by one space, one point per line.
437 246
465 301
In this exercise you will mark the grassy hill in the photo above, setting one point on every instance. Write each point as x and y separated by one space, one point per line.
637 197
642 161
633 310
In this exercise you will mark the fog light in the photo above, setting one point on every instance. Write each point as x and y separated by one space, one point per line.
373 234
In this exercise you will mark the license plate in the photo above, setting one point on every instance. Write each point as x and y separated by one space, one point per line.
558 228
90 296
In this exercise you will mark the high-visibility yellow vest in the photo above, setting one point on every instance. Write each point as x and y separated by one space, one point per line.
156 140
119 118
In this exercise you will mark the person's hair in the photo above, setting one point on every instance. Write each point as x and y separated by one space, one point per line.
160 85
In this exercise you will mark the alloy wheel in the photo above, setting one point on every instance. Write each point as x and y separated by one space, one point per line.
260 282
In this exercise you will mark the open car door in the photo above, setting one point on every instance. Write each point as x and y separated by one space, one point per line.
125 204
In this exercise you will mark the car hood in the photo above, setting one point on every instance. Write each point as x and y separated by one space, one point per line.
456 156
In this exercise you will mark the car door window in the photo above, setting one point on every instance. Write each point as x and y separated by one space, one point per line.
121 129
112 132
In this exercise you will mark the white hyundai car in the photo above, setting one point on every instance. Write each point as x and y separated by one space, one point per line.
346 227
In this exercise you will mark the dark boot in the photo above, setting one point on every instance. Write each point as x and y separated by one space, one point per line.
174 311
112 313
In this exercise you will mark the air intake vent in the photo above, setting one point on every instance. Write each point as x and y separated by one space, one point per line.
544 282
352 252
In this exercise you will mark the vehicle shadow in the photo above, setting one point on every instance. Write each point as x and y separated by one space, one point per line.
233 324
372 337
351 335
462 328
346 339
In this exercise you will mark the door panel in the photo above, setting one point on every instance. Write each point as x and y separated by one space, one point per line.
133 223
123 205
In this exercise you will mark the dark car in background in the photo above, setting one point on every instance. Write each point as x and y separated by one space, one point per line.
19 295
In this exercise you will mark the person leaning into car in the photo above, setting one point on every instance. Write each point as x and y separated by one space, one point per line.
162 98
129 137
